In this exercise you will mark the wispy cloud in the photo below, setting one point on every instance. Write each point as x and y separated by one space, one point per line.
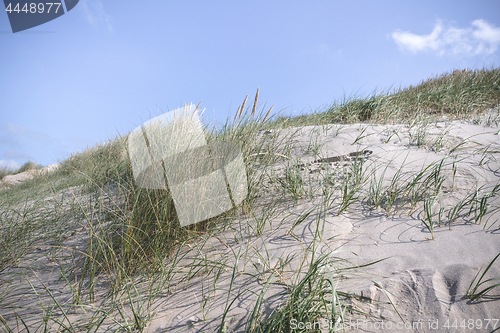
16 141
13 154
96 15
326 50
14 131
481 38
11 164
7 140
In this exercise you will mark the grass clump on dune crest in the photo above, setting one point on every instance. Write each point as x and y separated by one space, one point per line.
5 171
104 163
30 165
460 93
147 228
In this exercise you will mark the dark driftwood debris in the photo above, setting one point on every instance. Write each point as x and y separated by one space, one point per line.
347 157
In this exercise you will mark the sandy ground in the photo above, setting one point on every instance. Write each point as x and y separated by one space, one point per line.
12 180
424 276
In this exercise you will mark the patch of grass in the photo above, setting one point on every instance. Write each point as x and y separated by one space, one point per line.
394 190
390 134
454 212
293 182
458 94
428 219
376 191
131 247
313 299
439 143
353 179
361 135
30 165
5 171
418 136
472 292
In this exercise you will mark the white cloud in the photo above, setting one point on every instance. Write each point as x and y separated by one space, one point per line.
96 15
481 38
417 43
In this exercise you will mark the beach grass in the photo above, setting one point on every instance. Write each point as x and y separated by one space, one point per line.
117 248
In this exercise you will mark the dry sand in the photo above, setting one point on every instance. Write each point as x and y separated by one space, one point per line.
426 279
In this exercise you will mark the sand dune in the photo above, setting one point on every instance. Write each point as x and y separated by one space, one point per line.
426 272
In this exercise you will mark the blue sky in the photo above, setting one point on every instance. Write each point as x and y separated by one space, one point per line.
105 67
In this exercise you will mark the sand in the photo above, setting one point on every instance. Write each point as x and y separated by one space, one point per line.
424 276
